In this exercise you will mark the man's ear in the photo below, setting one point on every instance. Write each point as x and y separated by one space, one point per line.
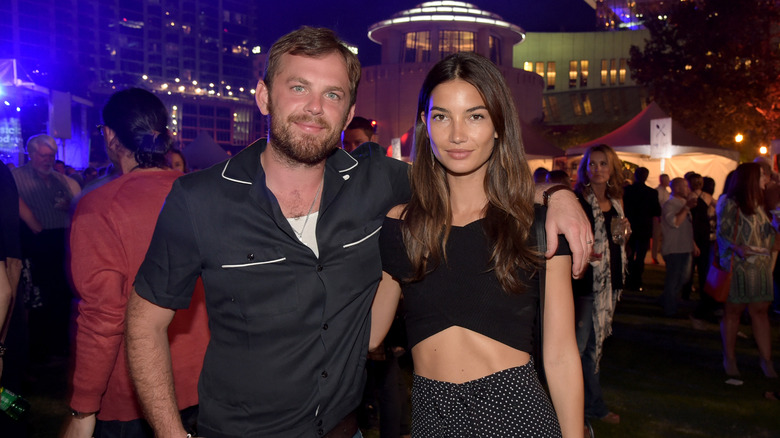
261 97
349 118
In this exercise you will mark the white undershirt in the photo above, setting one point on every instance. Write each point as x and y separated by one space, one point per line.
309 237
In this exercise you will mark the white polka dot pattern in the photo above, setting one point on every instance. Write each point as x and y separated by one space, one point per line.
510 403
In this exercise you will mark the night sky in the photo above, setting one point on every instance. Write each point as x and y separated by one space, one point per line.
351 18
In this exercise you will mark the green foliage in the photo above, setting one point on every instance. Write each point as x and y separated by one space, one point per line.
714 66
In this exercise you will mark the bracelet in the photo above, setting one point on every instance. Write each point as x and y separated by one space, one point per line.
550 191
3 349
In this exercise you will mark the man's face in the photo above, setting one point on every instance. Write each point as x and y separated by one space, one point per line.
42 160
309 107
352 138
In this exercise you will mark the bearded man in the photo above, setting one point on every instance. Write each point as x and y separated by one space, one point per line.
285 236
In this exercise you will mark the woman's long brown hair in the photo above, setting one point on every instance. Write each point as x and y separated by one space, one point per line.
508 183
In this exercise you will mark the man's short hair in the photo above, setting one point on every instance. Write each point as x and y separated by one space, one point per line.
363 124
641 173
36 141
313 42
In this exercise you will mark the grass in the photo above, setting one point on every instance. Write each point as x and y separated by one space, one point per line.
663 378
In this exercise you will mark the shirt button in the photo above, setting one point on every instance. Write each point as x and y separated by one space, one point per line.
319 422
320 432
324 374
250 256
319 268
324 326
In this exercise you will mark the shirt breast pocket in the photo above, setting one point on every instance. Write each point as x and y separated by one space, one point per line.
260 283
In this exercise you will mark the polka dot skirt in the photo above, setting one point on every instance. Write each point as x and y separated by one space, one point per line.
509 403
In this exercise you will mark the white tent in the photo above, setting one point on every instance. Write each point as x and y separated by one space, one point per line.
689 152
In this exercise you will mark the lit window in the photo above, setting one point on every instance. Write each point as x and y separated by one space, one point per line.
551 75
623 68
586 106
575 105
417 47
528 66
572 74
604 71
454 41
540 69
584 73
612 71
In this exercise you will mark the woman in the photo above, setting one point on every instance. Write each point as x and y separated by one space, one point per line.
461 253
745 237
600 191
111 230
176 161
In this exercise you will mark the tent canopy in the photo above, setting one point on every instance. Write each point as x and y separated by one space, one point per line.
203 152
689 152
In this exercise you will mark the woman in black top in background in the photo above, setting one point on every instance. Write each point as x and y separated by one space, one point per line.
461 253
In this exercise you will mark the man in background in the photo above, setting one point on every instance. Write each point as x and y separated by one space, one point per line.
358 131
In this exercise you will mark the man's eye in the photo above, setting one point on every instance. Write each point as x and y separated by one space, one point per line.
297 88
334 96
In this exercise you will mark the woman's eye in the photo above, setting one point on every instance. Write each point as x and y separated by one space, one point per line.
438 117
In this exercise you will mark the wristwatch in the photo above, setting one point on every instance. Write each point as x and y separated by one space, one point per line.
549 192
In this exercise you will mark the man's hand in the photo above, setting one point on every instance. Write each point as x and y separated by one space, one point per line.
565 216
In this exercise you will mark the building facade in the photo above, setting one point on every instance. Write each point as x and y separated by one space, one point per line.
414 40
195 54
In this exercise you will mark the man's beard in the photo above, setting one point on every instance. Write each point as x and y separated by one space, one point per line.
303 149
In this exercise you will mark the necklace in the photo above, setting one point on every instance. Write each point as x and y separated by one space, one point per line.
300 235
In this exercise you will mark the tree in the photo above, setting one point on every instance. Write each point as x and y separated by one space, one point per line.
714 65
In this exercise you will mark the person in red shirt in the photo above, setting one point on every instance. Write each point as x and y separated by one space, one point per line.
111 230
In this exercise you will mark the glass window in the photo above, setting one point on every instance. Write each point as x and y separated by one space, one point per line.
612 71
555 111
623 68
586 106
495 50
540 69
417 47
528 66
573 74
575 105
604 71
454 41
551 75
584 73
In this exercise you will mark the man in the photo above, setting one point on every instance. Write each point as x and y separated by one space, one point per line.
663 196
641 206
285 237
678 244
358 131
47 193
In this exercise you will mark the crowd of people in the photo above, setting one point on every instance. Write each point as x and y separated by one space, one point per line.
249 299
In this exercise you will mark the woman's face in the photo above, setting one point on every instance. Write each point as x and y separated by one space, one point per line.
599 169
176 162
459 126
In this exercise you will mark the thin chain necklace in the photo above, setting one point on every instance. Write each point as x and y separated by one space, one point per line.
300 235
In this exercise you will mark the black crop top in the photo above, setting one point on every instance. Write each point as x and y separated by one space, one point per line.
463 291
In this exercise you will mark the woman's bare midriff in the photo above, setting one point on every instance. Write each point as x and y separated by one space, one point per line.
459 355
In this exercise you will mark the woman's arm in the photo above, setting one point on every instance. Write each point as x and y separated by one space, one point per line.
383 309
559 348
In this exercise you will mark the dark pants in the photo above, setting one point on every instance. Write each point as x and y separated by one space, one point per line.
705 309
383 388
636 261
586 342
140 428
47 292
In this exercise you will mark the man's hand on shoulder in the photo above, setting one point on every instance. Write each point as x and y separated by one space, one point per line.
565 216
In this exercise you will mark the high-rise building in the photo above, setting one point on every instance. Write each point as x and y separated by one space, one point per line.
195 54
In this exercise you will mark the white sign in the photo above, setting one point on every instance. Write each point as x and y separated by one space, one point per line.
661 138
